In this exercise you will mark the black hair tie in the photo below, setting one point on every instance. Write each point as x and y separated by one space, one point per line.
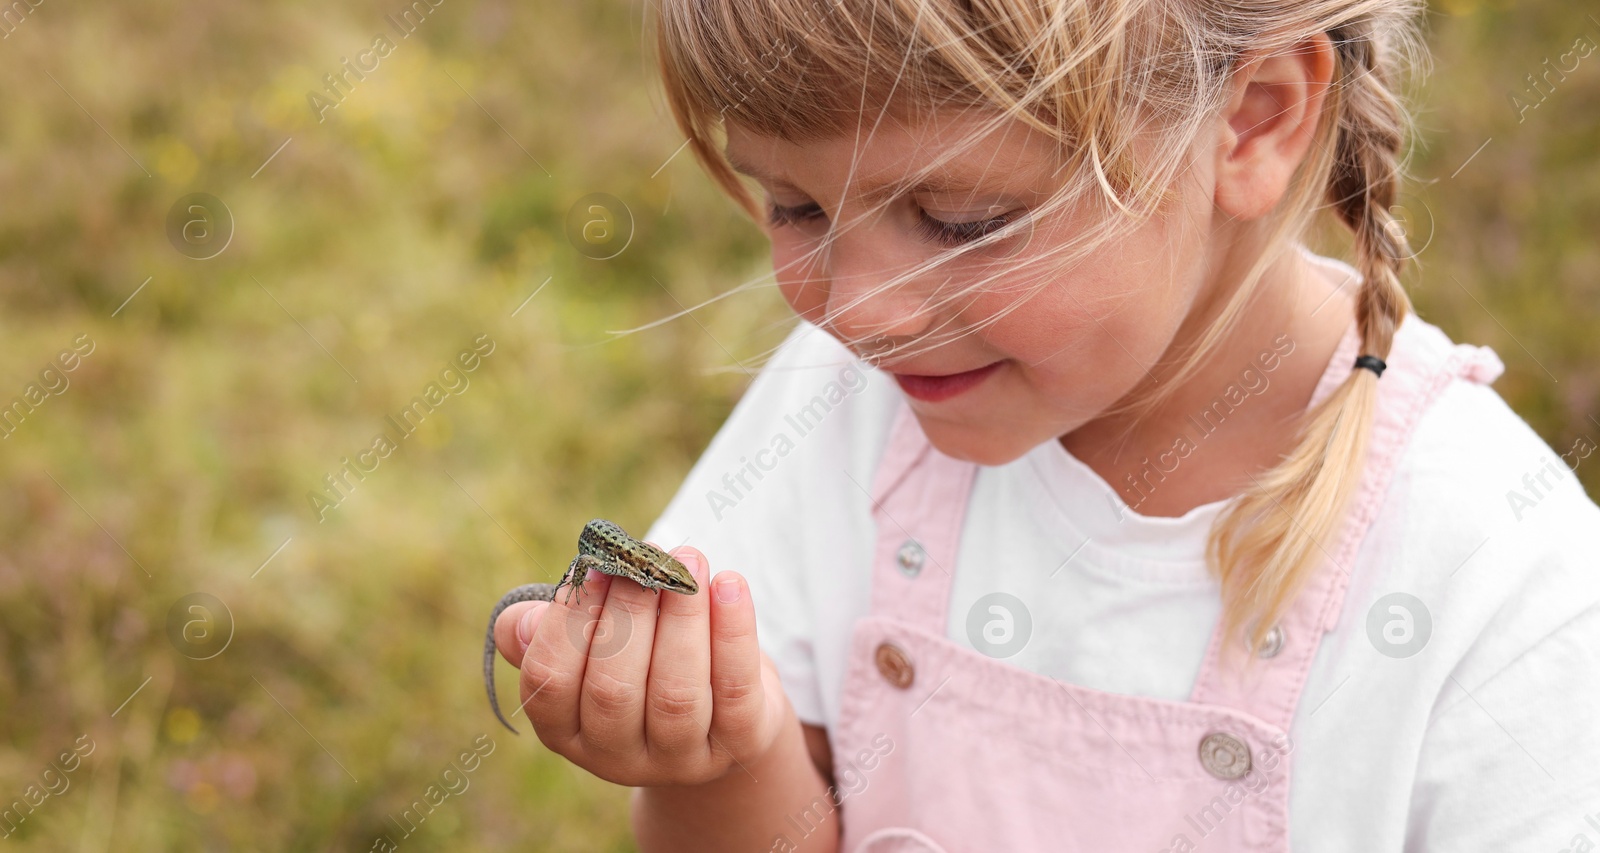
1372 363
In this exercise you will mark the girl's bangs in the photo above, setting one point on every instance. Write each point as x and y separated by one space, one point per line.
804 70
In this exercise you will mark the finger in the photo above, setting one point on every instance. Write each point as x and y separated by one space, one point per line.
553 667
738 721
611 708
678 697
513 631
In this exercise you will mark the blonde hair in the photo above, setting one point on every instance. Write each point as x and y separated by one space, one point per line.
1124 87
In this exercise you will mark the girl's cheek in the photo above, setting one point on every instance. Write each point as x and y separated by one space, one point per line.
794 295
1055 339
805 294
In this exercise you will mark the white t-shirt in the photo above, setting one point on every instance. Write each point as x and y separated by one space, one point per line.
1486 739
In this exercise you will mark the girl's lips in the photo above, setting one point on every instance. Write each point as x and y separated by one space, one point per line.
932 389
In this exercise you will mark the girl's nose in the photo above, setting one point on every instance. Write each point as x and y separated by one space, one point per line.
865 301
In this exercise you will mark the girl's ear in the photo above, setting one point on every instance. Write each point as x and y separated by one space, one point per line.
1269 123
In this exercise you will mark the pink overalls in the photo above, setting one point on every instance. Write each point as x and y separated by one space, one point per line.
987 756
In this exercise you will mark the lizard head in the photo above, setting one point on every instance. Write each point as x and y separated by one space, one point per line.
670 574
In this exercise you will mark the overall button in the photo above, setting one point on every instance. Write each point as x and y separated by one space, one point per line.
1224 756
1272 643
910 557
894 666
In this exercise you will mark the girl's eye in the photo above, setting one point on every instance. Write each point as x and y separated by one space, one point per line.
778 215
952 234
929 229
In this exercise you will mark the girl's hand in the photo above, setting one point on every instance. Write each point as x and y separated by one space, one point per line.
643 688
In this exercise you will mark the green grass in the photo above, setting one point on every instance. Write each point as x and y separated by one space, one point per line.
415 218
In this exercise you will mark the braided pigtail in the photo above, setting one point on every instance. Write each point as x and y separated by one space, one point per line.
1273 538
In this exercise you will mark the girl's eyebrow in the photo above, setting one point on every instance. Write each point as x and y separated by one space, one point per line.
745 168
877 190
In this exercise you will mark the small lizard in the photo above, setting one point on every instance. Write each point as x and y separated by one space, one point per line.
604 547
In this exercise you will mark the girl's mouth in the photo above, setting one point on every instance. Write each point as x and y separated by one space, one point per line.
932 389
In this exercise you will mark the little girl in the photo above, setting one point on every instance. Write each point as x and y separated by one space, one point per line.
1086 509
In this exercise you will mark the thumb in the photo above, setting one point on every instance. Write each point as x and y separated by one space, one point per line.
514 630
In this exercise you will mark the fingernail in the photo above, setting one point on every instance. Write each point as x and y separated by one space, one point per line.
727 588
691 561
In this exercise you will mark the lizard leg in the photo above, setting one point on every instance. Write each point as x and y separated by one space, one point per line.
577 573
566 579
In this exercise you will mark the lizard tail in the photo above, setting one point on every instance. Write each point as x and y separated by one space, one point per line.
526 592
488 667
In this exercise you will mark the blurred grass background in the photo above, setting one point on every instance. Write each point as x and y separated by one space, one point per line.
368 251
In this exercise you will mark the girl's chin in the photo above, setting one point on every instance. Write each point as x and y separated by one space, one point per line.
991 444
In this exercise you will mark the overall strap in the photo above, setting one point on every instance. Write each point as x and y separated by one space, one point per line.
1423 362
919 501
